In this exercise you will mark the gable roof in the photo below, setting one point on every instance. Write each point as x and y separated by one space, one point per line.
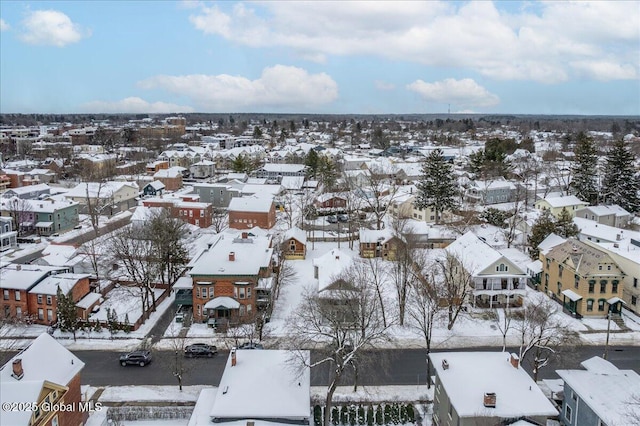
330 265
582 257
475 254
295 233
565 201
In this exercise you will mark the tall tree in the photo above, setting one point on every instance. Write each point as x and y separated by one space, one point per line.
437 188
68 319
167 236
565 226
543 226
620 184
21 213
311 161
454 285
585 169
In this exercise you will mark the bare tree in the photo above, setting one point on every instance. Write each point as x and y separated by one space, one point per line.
402 264
378 275
542 333
342 327
633 409
516 218
20 212
503 320
425 308
167 236
219 219
454 284
377 192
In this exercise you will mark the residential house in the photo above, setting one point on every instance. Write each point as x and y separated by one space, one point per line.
491 192
378 243
555 204
8 237
333 290
275 172
586 279
156 166
590 230
334 201
613 215
153 189
599 394
108 198
45 217
226 277
486 388
248 212
5 183
203 169
403 206
217 194
15 283
261 386
45 373
30 192
495 280
193 212
43 297
294 244
171 177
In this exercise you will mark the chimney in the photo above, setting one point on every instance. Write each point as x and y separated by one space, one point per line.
490 399
233 357
445 364
232 256
337 257
18 372
18 267
245 235
515 360
618 237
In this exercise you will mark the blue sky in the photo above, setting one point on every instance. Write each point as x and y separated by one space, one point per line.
320 57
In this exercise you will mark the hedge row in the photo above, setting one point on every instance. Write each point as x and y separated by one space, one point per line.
351 415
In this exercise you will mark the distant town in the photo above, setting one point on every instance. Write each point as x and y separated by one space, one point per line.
319 269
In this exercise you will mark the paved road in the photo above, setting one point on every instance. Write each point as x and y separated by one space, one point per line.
392 367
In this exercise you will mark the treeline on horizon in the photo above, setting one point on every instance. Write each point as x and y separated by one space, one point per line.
615 124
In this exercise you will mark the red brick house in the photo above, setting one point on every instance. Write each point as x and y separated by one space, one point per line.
171 178
331 200
248 212
232 279
195 213
15 283
43 297
294 244
152 168
45 373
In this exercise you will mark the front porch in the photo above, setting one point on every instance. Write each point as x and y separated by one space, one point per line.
498 301
221 313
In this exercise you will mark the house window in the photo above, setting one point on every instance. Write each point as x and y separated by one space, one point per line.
577 281
210 292
49 315
190 213
204 292
249 308
560 268
635 282
559 288
590 305
634 300
608 267
18 312
603 286
40 313
601 305
49 300
548 263
292 247
39 299
198 309
315 272
17 295
450 411
248 292
242 310
599 267
241 293
614 286
201 213
198 292
567 414
235 292
592 285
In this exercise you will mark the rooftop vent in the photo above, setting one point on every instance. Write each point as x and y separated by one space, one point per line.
232 256
18 372
490 400
514 360
445 364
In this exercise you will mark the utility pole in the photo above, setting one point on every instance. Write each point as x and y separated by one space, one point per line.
606 345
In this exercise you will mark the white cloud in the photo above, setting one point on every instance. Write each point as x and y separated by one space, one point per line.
51 27
280 86
605 70
534 43
462 93
4 26
383 85
134 105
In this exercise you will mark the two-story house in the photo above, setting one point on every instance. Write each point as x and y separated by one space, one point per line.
486 388
217 194
153 189
613 215
43 297
43 374
495 280
600 394
275 172
378 243
294 243
586 279
226 277
8 237
248 212
193 212
171 178
53 216
490 191
108 198
555 204
203 169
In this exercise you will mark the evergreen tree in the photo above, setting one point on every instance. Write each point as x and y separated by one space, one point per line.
68 319
311 161
437 188
379 415
370 412
327 172
585 170
544 225
565 226
620 185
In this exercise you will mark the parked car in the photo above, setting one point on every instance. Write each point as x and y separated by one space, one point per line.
140 358
343 218
251 345
332 219
200 350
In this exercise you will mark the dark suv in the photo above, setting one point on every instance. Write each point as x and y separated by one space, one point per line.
200 350
140 358
251 345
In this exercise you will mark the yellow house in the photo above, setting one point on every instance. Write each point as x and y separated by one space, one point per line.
586 279
556 204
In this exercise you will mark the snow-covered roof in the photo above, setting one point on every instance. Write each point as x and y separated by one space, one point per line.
472 374
183 283
375 235
565 201
251 204
607 390
606 210
88 300
60 255
292 182
38 206
283 168
263 190
44 359
25 190
171 172
295 233
156 184
105 190
330 265
596 231
249 254
50 285
23 277
222 302
475 254
262 385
